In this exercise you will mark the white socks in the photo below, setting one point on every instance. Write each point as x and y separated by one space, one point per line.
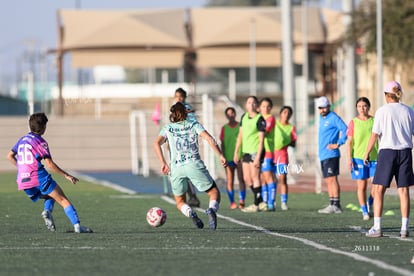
186 210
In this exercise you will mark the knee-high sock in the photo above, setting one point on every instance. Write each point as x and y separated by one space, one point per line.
230 194
49 204
265 192
72 214
272 194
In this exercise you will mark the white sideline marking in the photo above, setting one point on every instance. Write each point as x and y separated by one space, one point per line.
316 245
106 184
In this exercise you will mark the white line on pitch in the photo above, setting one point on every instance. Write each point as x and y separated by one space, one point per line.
316 245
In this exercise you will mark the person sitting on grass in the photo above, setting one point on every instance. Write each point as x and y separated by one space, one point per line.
186 164
27 154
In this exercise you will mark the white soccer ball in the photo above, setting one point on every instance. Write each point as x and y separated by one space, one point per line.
156 217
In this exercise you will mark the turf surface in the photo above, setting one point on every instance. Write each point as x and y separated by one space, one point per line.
296 242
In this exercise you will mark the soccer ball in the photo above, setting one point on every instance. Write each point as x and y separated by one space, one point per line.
156 217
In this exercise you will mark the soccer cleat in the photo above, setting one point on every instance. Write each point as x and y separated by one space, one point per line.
233 205
374 233
212 218
366 216
337 209
284 206
241 204
271 208
48 218
327 210
251 209
404 234
82 229
263 206
196 220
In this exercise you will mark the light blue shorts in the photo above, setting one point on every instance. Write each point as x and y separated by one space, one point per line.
196 172
362 171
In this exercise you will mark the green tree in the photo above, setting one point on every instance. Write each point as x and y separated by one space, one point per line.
397 30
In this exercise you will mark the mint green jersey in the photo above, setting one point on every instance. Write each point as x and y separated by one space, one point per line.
182 139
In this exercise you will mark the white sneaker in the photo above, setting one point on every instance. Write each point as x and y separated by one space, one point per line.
82 229
263 206
48 218
250 209
337 210
327 210
374 233
284 206
365 216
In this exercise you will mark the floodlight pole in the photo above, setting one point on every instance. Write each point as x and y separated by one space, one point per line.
380 99
287 59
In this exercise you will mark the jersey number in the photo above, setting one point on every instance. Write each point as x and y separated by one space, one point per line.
24 153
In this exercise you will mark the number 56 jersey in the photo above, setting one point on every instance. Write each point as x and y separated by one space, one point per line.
30 150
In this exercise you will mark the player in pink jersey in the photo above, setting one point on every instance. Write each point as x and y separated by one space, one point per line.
27 154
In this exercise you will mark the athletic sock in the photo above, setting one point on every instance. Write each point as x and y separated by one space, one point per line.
336 202
230 194
49 204
265 192
257 195
72 214
377 223
331 201
213 204
186 210
404 224
364 209
242 195
272 194
370 200
284 198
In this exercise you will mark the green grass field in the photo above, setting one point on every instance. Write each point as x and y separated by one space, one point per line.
296 242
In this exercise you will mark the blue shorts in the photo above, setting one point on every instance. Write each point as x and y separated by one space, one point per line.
362 171
267 165
231 164
330 167
281 169
44 189
394 163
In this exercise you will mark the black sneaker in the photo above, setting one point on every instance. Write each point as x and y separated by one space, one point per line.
196 220
212 218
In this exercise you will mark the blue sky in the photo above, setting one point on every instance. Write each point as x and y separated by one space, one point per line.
26 24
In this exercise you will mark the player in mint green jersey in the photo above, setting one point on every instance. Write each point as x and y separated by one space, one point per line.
180 95
186 164
359 131
228 138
